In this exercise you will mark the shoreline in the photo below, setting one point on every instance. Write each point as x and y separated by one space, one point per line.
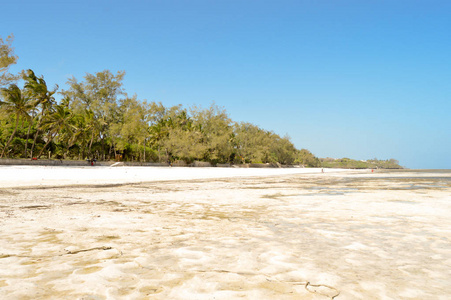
14 176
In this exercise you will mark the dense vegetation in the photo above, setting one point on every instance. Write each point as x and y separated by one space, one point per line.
348 163
96 119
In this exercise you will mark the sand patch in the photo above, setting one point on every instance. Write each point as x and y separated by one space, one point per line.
316 236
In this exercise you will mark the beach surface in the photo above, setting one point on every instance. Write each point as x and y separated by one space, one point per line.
223 233
13 176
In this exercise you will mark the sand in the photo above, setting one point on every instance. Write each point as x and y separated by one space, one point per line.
13 176
223 233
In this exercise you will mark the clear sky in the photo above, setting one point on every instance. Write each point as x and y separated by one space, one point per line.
359 79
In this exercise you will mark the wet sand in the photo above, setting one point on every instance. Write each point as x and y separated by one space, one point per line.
348 235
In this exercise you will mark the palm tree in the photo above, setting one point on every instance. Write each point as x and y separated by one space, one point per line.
73 131
157 133
93 127
17 103
37 89
56 122
30 124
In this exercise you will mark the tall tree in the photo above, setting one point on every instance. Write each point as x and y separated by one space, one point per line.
57 122
7 58
16 103
307 159
157 126
172 133
36 89
163 123
217 132
251 143
93 128
282 150
183 143
99 93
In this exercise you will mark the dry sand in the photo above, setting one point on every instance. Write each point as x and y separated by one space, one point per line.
144 233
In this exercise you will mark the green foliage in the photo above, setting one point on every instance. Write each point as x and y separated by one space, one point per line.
42 100
307 159
96 100
212 127
14 103
7 58
348 163
97 119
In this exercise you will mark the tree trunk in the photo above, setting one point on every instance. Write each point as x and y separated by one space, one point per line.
46 144
159 154
37 131
144 151
90 144
103 148
12 136
26 142
65 153
109 151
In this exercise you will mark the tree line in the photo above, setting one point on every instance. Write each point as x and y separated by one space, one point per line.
96 119
347 163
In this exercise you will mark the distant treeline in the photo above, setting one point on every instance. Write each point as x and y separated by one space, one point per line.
348 163
96 119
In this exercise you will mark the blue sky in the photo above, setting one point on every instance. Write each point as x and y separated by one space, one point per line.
358 79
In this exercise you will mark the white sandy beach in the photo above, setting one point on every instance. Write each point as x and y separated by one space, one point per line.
11 176
223 233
